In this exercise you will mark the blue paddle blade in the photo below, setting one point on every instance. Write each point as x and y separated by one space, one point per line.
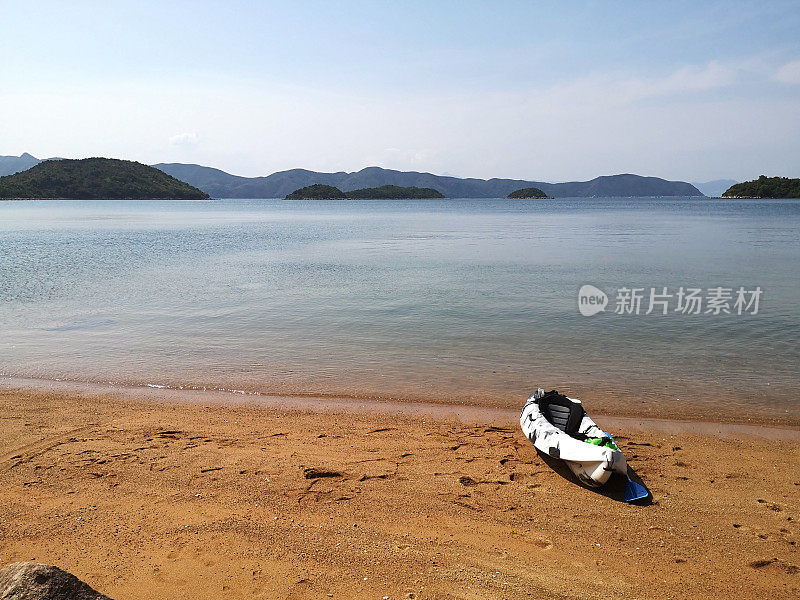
635 491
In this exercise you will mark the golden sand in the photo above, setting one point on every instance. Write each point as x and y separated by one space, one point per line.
148 500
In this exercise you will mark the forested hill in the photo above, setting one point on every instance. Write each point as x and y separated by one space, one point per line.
96 178
765 187
278 185
528 193
393 192
320 191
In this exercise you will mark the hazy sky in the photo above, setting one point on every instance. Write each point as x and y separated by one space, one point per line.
551 91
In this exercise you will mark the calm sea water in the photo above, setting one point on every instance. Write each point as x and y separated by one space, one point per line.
453 299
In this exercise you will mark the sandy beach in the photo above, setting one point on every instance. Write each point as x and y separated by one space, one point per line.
278 279
146 499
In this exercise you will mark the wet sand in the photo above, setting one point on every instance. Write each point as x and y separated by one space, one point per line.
144 498
730 416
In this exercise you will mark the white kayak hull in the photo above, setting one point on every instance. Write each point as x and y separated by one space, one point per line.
593 474
592 465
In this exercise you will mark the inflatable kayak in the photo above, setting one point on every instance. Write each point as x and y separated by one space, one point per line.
559 427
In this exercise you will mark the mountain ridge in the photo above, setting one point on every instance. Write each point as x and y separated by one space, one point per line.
220 184
716 187
14 164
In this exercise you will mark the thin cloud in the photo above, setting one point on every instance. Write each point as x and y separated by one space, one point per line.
397 158
610 90
184 139
789 73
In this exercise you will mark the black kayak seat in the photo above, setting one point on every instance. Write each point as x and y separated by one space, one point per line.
562 412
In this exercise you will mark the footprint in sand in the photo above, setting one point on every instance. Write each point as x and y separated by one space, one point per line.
316 473
543 543
775 564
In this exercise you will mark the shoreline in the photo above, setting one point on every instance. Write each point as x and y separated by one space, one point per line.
159 499
671 419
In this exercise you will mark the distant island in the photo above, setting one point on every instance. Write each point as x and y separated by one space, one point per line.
765 187
394 192
319 191
527 193
95 179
